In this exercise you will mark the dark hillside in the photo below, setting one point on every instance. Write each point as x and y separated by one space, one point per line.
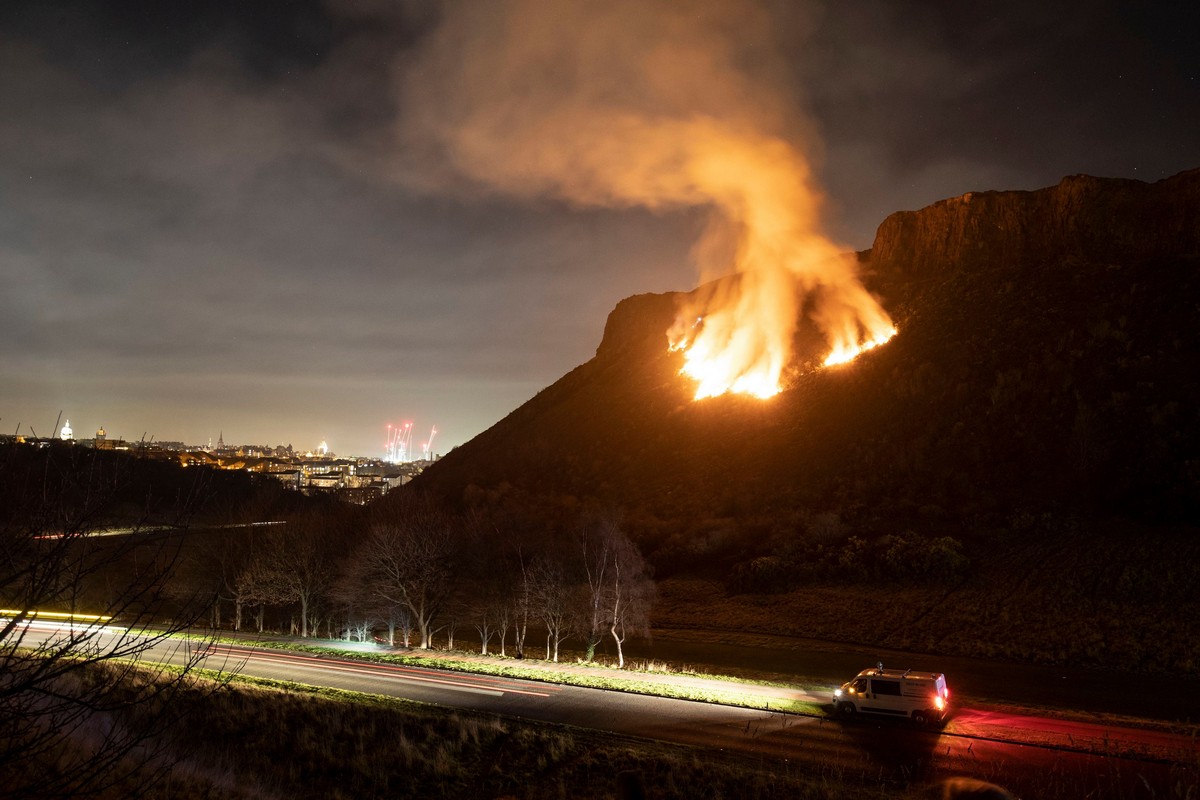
1045 361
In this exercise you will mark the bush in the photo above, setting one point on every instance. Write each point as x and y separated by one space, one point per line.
916 558
763 575
902 558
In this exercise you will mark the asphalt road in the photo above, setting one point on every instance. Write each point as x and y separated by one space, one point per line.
1030 754
1075 688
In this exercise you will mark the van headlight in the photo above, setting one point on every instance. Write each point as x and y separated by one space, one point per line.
837 692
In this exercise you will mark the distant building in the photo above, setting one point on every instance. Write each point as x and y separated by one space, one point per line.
101 441
352 480
197 458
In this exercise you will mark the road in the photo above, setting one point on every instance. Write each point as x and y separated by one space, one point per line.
1030 754
1023 752
789 659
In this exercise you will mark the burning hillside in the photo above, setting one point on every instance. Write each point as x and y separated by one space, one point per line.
1046 361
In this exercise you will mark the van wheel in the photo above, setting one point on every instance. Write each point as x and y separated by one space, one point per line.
920 718
846 709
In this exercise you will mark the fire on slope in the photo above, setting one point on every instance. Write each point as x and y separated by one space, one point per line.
739 338
722 363
666 107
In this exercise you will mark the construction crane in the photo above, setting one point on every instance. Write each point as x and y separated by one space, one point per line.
399 449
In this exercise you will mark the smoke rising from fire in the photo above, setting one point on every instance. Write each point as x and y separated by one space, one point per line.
662 105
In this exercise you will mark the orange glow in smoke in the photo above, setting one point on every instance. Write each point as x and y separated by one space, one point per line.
739 338
660 106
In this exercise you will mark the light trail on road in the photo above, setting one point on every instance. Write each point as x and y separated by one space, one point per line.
324 666
149 530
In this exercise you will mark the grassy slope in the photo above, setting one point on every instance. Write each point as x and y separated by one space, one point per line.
262 741
1087 598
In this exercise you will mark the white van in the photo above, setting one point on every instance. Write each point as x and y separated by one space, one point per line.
920 696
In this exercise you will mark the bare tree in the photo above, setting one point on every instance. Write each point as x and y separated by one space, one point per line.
295 566
409 561
596 543
504 621
618 590
400 620
550 597
489 601
217 565
520 604
491 565
485 624
630 594
455 611
245 594
79 713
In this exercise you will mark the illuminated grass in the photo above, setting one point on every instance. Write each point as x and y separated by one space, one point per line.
658 681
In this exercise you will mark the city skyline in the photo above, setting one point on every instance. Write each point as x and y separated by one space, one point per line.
390 447
248 218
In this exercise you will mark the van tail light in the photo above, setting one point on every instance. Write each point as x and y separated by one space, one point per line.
939 702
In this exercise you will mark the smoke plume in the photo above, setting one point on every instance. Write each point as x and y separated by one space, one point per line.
662 105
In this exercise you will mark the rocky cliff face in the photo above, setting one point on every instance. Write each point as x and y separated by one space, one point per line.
1082 218
638 326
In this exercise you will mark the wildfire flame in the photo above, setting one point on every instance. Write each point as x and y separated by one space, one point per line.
658 105
717 373
744 345
739 340
844 354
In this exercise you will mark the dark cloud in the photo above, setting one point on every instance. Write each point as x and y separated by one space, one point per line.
922 101
209 221
115 45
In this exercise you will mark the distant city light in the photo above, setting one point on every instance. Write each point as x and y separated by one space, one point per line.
398 446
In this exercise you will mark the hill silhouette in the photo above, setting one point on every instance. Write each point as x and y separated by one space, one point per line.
1045 360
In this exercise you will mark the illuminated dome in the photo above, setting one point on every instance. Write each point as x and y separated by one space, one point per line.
67 434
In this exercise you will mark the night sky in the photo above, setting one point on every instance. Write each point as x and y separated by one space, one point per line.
246 218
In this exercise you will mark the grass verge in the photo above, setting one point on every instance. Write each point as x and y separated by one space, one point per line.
651 679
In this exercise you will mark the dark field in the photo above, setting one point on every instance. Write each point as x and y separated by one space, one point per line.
250 741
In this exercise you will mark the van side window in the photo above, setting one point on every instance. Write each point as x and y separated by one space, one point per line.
860 685
886 687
